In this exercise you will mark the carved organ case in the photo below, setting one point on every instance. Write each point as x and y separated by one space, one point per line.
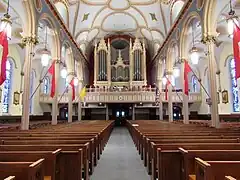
137 56
102 60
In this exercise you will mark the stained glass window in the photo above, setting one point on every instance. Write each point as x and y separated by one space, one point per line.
46 85
7 87
31 91
234 88
194 84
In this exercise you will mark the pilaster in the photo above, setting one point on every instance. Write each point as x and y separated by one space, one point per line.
29 43
210 41
55 98
170 102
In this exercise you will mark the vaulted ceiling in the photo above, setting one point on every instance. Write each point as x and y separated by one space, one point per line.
93 19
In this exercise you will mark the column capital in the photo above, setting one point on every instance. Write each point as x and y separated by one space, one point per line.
58 60
30 40
181 60
169 73
208 39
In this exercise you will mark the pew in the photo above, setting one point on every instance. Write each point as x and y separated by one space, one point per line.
51 168
10 178
23 170
161 145
229 178
216 170
81 145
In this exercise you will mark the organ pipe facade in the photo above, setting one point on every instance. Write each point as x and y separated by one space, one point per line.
118 71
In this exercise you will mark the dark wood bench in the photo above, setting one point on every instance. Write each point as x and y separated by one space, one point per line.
216 170
51 163
23 170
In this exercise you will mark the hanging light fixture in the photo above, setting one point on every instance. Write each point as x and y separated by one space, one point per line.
231 20
194 52
6 23
75 81
45 53
176 71
64 73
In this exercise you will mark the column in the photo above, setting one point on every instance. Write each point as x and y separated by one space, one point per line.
159 84
70 102
185 97
80 86
131 64
170 103
133 112
210 43
55 98
29 43
95 65
107 112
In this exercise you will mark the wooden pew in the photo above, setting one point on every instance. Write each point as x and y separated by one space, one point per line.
10 178
188 158
51 168
23 170
69 154
216 170
229 178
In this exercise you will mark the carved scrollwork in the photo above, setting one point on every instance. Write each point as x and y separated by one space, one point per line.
29 40
208 39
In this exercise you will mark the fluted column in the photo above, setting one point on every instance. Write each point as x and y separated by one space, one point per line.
185 97
80 86
160 108
170 102
55 98
210 43
29 43
131 64
70 102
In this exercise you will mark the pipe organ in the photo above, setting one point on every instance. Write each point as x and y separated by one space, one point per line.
125 66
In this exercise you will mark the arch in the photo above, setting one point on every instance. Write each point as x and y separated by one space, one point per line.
183 36
208 17
49 22
46 85
7 86
194 83
69 59
172 48
63 11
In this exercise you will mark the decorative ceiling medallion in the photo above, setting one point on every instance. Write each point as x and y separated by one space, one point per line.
119 5
38 5
153 16
177 33
85 17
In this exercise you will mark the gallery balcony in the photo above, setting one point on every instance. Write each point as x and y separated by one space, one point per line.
123 96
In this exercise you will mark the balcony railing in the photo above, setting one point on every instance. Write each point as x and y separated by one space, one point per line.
144 96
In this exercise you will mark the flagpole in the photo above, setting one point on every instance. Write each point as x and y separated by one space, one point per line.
200 82
63 94
39 84
174 89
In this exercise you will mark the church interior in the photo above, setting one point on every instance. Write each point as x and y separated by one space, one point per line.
119 89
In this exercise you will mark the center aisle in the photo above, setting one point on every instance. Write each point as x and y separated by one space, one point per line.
120 159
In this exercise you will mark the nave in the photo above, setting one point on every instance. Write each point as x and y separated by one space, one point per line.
120 160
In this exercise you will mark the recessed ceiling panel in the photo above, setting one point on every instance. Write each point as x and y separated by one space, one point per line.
119 5
143 2
138 16
119 22
100 17
95 2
